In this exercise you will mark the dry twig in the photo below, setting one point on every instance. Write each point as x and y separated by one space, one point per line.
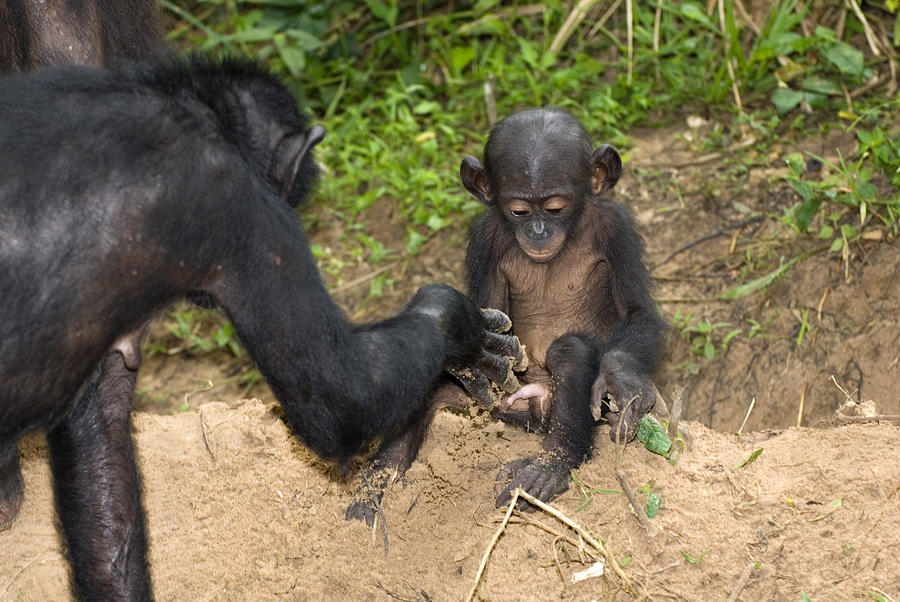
745 577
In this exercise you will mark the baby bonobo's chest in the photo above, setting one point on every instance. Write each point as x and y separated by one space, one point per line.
548 300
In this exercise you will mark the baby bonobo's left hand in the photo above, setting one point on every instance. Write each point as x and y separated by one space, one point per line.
633 392
500 355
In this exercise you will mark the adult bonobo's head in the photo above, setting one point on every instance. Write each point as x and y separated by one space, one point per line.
539 170
259 115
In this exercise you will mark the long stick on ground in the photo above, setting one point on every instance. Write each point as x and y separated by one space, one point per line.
494 539
610 559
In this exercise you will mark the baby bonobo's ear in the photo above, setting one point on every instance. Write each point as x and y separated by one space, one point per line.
473 177
606 169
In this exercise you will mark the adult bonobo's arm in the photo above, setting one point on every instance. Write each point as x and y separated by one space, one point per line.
634 350
343 385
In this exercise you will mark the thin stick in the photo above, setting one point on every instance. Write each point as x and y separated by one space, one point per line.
610 559
656 19
490 102
494 539
746 416
822 304
745 577
573 20
675 416
22 570
622 476
802 400
867 29
380 511
629 20
205 438
746 17
710 236
731 76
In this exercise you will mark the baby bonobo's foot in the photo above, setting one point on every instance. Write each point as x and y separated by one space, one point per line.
544 477
12 488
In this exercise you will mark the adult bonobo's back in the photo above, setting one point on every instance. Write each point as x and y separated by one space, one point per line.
123 190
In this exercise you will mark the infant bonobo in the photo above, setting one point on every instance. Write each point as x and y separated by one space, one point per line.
566 265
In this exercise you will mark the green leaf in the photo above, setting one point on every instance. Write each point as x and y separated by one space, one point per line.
848 232
836 245
845 57
786 99
692 11
820 85
654 437
749 459
652 507
826 232
795 162
460 57
529 54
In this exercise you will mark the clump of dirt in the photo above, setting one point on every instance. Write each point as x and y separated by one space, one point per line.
246 513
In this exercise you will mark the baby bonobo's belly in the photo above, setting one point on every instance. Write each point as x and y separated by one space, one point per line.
548 301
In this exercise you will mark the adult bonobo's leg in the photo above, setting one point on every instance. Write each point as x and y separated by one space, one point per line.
11 486
573 361
97 488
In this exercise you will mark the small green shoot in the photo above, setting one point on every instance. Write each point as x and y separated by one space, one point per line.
752 457
804 597
693 560
652 507
832 508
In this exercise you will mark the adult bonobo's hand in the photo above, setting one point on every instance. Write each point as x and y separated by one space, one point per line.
477 352
634 394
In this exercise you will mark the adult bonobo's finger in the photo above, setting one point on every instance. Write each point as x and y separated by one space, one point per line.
476 385
499 370
507 346
497 321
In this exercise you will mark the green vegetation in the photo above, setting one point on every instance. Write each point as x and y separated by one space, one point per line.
407 88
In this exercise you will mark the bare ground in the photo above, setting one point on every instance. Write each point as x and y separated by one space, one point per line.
247 513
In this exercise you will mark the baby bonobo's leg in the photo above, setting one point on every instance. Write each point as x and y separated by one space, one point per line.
573 363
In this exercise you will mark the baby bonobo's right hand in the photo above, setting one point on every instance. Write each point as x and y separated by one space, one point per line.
500 354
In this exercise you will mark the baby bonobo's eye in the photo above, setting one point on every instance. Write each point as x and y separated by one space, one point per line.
556 205
519 208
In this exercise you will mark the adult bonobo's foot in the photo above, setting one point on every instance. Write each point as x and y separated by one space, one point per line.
12 486
369 495
544 477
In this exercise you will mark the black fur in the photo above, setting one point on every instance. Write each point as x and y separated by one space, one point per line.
126 189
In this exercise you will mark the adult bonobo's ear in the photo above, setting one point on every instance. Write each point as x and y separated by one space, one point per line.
606 169
471 171
289 157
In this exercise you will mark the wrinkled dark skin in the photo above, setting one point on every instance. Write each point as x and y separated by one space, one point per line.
566 265
126 190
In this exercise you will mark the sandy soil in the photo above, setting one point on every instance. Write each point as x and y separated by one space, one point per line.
249 514
254 516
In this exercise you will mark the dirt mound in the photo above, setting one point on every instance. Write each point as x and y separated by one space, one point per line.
238 510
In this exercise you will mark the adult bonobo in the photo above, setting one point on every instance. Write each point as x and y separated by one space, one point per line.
566 265
39 33
128 188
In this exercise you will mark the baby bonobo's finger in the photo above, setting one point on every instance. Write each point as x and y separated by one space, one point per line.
497 321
